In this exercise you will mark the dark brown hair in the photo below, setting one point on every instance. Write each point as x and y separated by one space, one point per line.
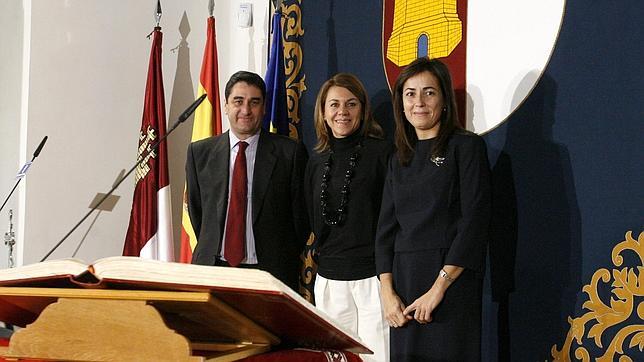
405 136
248 78
368 126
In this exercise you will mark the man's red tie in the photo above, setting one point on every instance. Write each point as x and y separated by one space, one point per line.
236 224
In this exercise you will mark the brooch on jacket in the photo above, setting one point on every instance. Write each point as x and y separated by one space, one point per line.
438 161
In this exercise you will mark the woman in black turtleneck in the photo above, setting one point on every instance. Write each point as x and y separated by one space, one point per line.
343 184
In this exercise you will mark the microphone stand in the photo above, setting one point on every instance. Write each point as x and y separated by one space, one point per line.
24 170
180 120
10 239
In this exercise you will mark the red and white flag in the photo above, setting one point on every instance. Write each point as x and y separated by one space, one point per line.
207 123
149 234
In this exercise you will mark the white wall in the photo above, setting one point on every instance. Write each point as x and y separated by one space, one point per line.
10 92
87 62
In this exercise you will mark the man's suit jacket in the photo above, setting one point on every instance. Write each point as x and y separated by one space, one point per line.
280 222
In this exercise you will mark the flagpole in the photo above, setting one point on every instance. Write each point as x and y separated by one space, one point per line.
277 4
159 13
268 34
143 157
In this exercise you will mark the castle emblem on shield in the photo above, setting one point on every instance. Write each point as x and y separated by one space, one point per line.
426 28
423 28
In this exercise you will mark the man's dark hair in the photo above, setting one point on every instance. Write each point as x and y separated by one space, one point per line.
246 77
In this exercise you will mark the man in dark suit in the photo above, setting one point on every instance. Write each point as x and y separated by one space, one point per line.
268 229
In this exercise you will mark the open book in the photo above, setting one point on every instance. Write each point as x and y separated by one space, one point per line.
254 293
126 271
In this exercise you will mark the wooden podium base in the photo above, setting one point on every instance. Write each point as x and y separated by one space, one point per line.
113 325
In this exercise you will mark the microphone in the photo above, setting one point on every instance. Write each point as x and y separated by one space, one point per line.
40 146
23 170
191 109
152 148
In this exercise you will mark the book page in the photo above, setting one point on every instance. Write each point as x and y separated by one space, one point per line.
137 269
50 268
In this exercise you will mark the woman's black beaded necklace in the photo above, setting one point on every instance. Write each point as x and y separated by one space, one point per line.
337 216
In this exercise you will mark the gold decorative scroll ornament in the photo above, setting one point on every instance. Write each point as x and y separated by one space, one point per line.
295 85
295 82
620 322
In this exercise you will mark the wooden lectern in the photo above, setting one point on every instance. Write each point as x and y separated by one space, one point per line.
163 322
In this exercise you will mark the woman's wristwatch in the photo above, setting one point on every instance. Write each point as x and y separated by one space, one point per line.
443 274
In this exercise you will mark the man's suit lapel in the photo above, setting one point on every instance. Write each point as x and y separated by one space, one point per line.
221 162
264 163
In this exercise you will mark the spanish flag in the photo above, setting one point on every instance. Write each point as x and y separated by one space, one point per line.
207 123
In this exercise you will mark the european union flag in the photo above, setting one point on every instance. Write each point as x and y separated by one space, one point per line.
276 118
